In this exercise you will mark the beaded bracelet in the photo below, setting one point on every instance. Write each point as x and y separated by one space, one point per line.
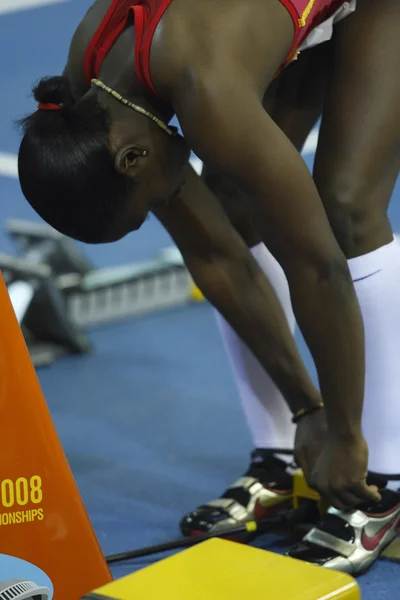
303 412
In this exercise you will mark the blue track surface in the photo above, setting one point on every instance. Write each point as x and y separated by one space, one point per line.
134 418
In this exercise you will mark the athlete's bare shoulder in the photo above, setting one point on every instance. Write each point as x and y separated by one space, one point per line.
79 43
195 35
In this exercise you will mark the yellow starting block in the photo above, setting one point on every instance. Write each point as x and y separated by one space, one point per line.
196 294
302 491
222 570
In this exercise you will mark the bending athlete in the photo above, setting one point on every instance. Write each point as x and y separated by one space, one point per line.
108 161
295 102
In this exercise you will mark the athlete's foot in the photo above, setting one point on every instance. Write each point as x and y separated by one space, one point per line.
351 541
265 488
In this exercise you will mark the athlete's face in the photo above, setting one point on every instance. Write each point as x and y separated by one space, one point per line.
154 163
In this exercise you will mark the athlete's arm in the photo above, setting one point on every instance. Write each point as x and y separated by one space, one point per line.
230 278
226 125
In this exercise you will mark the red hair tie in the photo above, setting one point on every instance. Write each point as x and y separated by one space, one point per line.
44 106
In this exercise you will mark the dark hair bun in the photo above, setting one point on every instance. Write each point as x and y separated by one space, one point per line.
54 90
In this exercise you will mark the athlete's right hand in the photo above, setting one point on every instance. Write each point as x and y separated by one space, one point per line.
340 474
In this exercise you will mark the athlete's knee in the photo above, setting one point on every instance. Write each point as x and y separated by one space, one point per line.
353 214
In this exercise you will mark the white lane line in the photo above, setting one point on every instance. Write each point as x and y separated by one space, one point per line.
11 6
8 165
311 143
196 164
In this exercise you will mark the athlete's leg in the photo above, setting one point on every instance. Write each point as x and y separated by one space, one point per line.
357 164
356 167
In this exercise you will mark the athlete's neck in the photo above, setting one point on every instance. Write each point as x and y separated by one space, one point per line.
118 73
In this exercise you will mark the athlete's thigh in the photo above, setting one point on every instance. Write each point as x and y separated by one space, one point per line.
358 155
295 99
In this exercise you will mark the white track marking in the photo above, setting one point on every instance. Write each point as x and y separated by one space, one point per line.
196 164
8 165
311 143
11 6
21 294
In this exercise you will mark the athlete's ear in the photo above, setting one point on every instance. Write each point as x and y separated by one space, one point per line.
129 160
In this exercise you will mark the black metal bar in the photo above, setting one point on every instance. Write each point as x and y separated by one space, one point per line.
306 513
261 526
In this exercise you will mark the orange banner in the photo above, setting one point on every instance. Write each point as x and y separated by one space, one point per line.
47 544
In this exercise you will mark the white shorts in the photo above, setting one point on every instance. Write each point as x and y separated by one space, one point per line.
324 31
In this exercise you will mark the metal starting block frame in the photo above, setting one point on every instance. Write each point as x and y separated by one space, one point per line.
94 297
107 295
40 309
40 244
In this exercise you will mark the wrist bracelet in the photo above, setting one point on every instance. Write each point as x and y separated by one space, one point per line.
303 412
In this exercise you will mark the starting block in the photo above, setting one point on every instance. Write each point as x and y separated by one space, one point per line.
302 492
222 570
93 297
57 294
41 244
40 310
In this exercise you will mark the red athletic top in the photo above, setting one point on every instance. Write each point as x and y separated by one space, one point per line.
306 15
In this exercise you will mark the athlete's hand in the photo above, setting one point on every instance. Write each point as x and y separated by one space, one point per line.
340 474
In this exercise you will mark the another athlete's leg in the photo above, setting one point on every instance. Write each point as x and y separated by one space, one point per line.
357 164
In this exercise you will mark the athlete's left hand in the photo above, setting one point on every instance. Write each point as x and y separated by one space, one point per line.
340 475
